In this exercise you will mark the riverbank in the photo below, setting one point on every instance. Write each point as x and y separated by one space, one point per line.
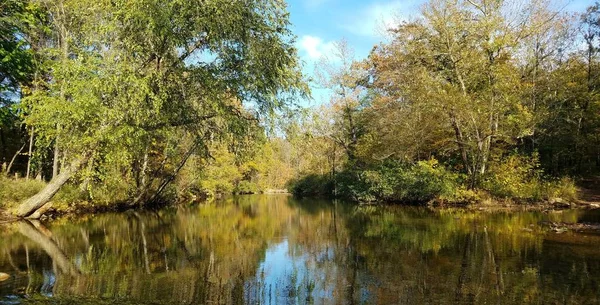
429 182
54 210
65 204
61 210
74 200
542 206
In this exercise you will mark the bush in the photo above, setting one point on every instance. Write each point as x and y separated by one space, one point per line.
520 177
514 176
247 187
564 188
14 191
429 180
68 195
398 182
312 185
366 186
461 195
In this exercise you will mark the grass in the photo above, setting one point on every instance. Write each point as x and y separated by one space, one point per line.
14 191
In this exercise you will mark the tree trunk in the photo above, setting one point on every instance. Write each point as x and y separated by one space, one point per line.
460 141
30 205
29 154
3 145
63 160
170 178
13 159
144 168
39 212
85 186
55 160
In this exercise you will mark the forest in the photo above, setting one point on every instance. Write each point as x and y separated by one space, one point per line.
141 103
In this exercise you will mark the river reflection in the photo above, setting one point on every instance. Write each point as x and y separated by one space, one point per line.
274 249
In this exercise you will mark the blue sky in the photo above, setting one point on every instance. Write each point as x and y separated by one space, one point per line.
318 23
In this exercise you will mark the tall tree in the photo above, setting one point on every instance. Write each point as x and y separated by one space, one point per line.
564 86
458 64
139 71
346 79
21 24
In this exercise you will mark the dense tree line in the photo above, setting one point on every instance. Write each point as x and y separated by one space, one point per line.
500 97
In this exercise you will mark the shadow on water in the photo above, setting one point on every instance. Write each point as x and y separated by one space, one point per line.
274 249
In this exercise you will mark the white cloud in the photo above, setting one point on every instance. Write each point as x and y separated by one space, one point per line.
314 47
375 19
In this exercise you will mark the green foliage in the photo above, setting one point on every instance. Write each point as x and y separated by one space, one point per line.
466 84
514 176
22 22
369 185
312 185
69 195
421 182
220 174
428 180
520 177
247 187
149 92
135 89
461 195
564 188
398 182
18 19
13 191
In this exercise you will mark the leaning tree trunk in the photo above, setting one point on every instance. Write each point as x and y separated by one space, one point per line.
35 202
14 158
144 196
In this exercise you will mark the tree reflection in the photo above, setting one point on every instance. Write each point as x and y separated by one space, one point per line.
275 249
33 231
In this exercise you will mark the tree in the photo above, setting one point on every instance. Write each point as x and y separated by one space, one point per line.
136 72
21 24
563 90
346 79
458 64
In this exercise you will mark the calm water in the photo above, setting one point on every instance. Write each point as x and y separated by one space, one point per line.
278 250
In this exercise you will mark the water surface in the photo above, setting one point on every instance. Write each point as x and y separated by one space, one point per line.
273 249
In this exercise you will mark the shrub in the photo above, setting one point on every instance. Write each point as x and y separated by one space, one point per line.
564 188
366 186
519 177
312 185
69 194
461 195
514 176
398 182
428 180
13 191
247 187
